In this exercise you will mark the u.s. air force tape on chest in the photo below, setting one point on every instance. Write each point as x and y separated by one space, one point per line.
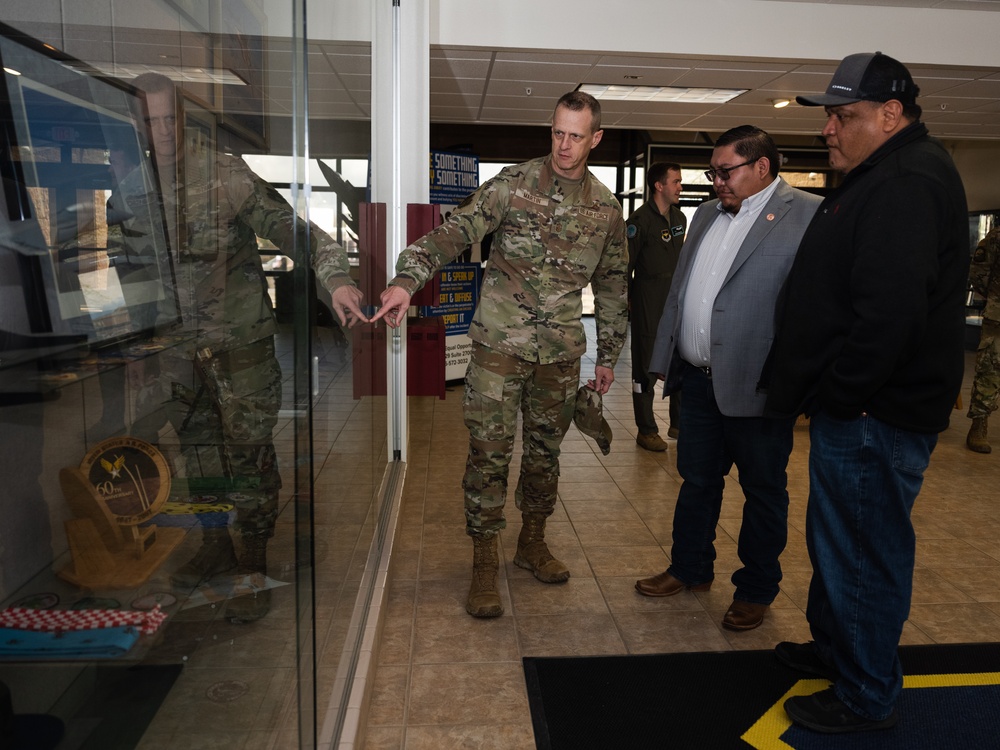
592 213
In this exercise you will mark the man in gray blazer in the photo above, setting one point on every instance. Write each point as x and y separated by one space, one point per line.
711 344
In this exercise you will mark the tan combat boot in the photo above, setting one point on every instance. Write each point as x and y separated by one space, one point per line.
533 554
977 436
484 599
253 561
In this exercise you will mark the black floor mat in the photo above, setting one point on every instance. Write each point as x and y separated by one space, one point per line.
710 701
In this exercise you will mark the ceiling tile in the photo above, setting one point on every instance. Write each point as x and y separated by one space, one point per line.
537 71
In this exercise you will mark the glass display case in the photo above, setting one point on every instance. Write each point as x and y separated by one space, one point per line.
190 479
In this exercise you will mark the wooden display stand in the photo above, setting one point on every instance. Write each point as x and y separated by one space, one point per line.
109 549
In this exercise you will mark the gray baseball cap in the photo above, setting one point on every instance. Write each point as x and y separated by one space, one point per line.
866 76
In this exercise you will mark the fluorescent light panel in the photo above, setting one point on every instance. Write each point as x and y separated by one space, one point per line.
180 74
660 93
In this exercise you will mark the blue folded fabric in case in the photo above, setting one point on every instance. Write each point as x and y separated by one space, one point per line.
96 643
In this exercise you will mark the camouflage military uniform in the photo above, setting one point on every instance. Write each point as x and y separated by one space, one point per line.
654 245
552 237
221 388
984 276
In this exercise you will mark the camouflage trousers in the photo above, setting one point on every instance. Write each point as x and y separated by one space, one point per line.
497 388
223 411
986 383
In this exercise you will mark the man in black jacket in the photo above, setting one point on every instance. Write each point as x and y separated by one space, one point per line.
869 344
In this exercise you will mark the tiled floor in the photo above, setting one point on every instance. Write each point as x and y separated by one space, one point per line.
447 680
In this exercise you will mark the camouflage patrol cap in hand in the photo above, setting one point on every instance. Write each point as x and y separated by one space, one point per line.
589 418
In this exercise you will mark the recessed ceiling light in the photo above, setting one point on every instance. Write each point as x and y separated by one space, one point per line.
779 103
660 93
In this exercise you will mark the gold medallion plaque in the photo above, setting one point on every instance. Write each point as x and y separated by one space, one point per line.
131 476
121 484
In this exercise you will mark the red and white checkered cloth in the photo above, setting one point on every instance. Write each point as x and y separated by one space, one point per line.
55 620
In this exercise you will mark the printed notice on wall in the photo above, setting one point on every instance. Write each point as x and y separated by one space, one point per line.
456 306
453 176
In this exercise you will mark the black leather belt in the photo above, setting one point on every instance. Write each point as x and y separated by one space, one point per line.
706 371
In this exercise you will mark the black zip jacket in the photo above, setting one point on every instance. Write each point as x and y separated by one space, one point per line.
872 316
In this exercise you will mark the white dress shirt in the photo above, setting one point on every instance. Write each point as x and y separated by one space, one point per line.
713 258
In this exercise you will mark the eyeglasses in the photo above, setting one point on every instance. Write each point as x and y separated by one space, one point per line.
723 173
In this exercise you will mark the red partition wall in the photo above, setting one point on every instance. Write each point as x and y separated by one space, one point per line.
368 341
425 337
420 219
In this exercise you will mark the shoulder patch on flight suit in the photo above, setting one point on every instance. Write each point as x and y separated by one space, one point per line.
632 231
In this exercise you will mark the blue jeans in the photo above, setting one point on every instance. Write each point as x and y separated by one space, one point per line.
709 445
863 478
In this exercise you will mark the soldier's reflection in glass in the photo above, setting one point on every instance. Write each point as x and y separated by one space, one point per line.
220 390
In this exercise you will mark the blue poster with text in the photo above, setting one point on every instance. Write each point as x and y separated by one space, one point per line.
453 176
459 295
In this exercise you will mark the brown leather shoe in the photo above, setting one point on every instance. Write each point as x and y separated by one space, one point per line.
744 615
651 442
665 584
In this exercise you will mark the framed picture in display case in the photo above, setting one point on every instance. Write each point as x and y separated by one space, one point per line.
78 188
242 51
